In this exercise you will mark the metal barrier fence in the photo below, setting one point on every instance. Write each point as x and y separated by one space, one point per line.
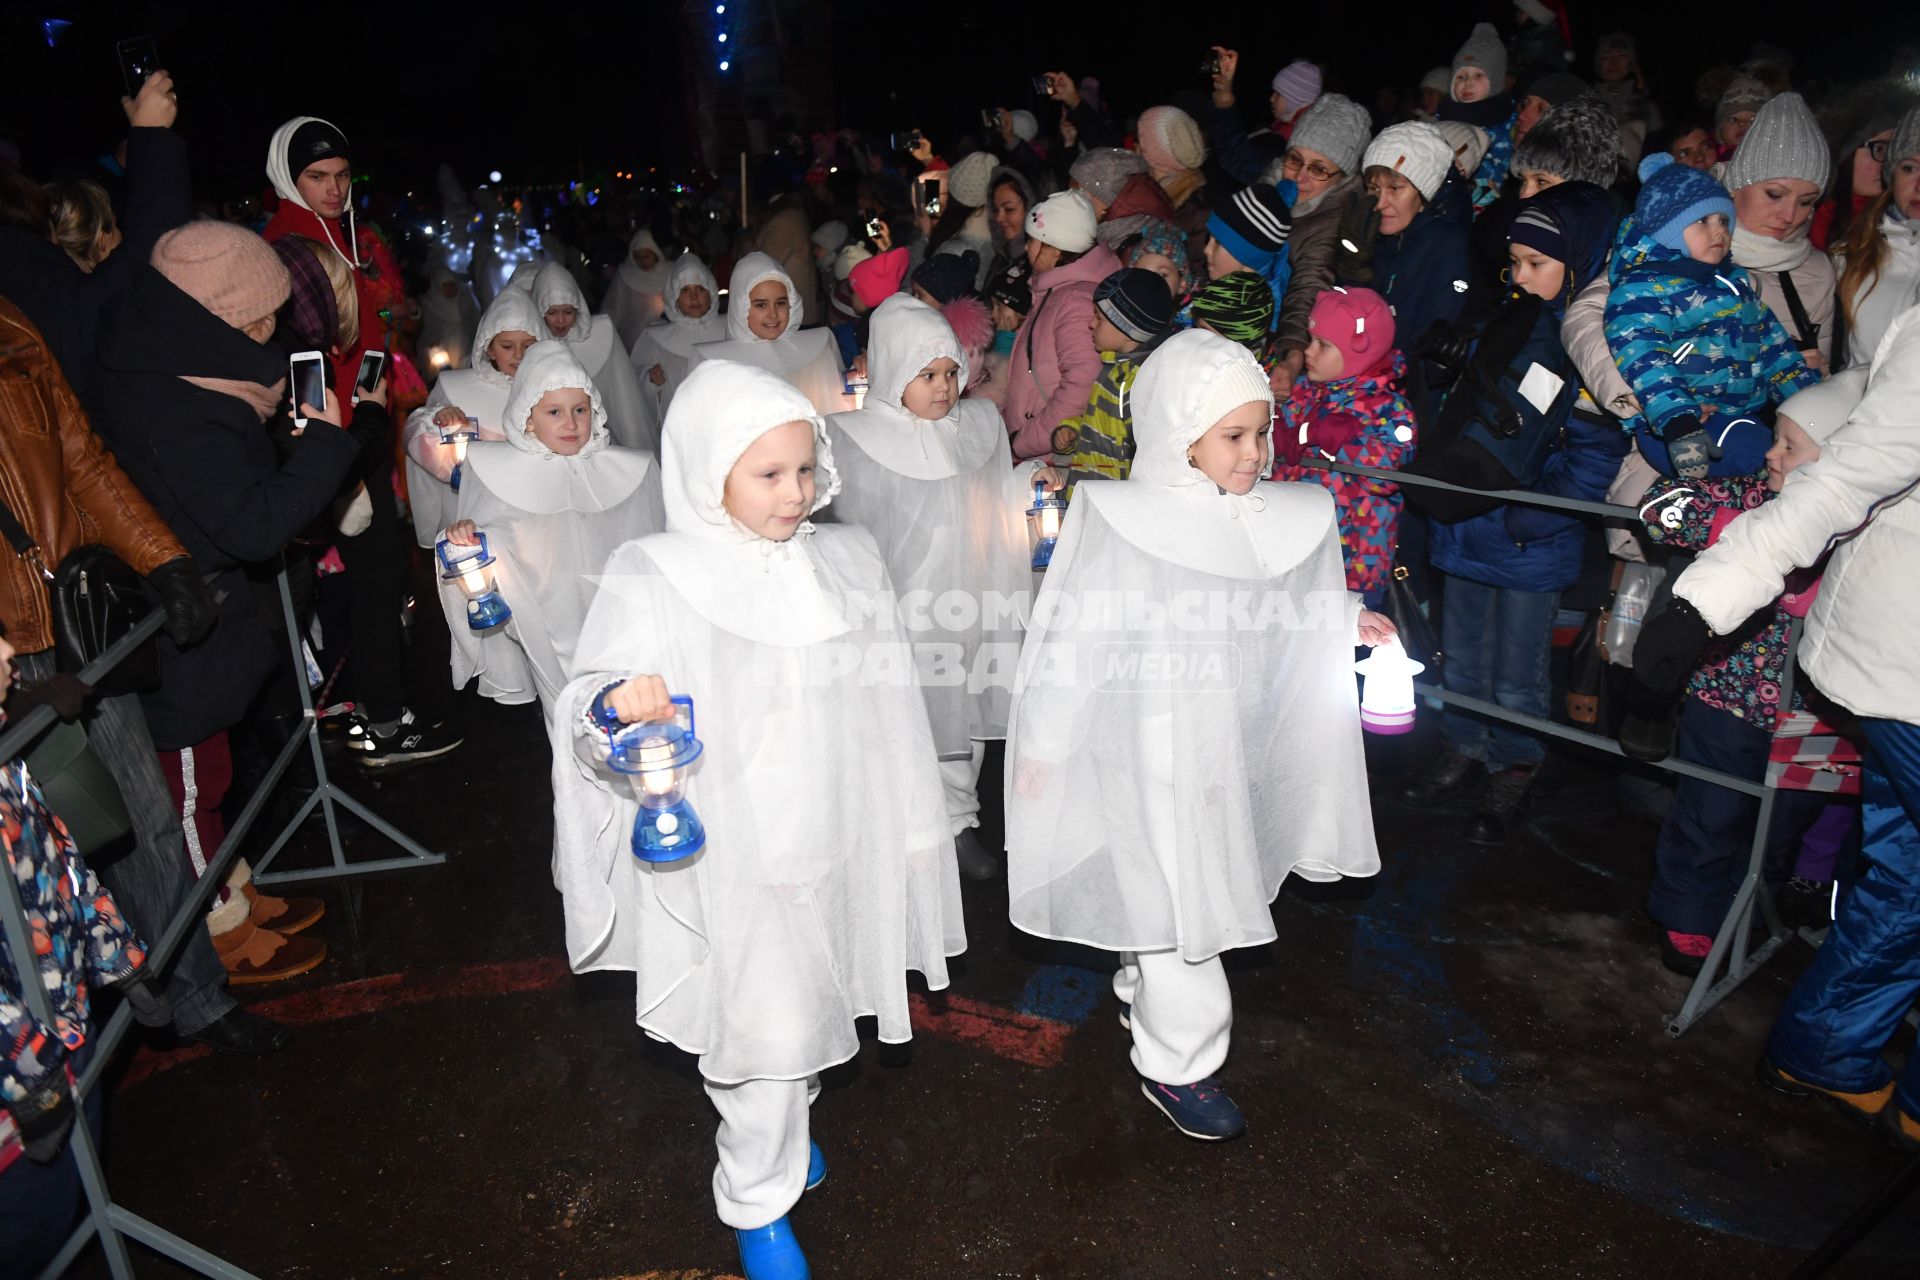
106 1221
1733 958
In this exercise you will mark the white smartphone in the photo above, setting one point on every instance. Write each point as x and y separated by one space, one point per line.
306 383
372 365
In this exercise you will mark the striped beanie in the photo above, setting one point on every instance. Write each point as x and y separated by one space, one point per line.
1253 226
1239 307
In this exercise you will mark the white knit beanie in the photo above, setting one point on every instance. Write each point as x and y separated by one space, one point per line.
1025 127
969 181
1470 144
1784 142
1064 220
1238 382
1414 150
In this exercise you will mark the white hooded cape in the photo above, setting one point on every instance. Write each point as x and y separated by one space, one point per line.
806 359
669 343
631 417
637 297
551 522
1167 770
447 323
828 868
480 392
948 510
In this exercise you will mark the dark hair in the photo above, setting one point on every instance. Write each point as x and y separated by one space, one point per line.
951 219
23 203
1068 259
1010 179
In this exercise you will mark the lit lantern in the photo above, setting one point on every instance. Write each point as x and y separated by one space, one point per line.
486 610
1386 695
856 386
439 358
1043 522
459 437
655 758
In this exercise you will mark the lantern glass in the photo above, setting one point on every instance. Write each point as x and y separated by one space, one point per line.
468 566
1043 522
655 758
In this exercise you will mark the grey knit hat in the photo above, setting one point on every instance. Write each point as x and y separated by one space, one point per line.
1103 171
1578 141
1743 93
1485 50
1784 142
1906 143
1337 127
970 180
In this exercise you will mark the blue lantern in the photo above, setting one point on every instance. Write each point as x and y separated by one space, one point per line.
459 437
655 758
486 610
1043 522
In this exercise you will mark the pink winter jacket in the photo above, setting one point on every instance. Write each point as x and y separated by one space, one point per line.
1049 381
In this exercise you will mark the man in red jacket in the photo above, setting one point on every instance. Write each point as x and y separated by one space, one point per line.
310 164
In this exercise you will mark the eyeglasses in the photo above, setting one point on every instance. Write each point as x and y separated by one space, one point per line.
1295 162
1878 148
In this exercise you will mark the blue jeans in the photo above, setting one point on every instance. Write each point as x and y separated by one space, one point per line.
1499 644
1852 998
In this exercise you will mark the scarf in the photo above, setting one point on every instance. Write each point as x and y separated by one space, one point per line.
1764 253
263 400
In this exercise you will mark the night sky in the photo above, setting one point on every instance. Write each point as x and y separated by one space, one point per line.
553 91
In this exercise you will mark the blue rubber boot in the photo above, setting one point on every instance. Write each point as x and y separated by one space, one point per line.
816 1165
771 1253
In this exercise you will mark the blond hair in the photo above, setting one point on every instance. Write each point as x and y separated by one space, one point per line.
346 298
79 214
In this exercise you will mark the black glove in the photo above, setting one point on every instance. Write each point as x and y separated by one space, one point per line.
1668 648
189 604
1359 228
142 991
66 694
1447 346
369 428
45 1116
1690 448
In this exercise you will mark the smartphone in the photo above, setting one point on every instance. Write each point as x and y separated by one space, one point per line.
930 198
1043 85
139 58
306 383
372 365
1210 65
990 118
874 227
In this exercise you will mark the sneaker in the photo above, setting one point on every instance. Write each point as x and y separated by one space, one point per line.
411 740
1450 775
771 1252
1200 1110
1684 953
816 1165
1500 806
976 860
1862 1106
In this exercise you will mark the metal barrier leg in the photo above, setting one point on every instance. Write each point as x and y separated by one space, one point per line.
1730 944
326 794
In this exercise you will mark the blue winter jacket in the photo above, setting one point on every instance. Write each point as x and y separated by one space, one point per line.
1695 340
1423 271
1533 548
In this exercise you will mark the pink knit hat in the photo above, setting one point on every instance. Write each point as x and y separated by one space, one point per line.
1170 140
1356 322
879 277
226 269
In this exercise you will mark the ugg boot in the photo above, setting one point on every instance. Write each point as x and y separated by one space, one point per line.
286 916
254 955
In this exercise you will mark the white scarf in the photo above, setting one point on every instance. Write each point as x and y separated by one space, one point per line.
1756 252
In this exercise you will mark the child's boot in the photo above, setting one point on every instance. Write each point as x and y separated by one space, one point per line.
771 1252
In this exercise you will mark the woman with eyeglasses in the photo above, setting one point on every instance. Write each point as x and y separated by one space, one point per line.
1856 181
1879 260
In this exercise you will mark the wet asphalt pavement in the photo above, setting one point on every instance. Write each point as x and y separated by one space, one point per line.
1458 1068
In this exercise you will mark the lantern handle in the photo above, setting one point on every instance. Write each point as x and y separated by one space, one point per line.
682 700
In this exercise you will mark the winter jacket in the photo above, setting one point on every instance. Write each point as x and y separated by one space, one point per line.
1104 443
60 483
206 462
1695 340
1313 246
1422 272
1054 362
1584 334
1814 282
1739 673
62 301
1887 295
1858 645
79 939
1368 423
1497 115
297 220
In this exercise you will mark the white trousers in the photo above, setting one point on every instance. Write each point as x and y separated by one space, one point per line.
962 781
1182 1014
763 1148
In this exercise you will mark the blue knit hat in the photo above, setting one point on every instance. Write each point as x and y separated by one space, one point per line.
1253 226
1673 197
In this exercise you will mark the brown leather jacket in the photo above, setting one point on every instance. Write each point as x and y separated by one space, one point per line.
60 483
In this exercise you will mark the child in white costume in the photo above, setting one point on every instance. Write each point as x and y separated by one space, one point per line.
554 499
663 353
828 867
638 295
764 315
476 398
633 418
1166 773
931 477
